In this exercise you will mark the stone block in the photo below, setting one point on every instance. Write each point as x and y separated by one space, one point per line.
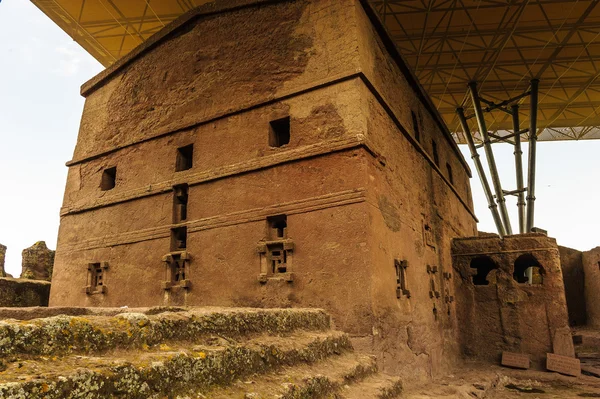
563 364
23 293
516 360
562 342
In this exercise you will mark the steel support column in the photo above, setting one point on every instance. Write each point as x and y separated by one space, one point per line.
519 168
480 171
532 153
490 158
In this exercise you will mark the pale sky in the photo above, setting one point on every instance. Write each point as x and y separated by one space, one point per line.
42 68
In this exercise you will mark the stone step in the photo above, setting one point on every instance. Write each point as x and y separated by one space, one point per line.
168 371
62 335
324 379
379 386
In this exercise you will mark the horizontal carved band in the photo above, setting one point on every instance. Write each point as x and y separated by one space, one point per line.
251 215
194 178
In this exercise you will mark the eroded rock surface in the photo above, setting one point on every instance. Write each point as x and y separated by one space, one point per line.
38 262
23 293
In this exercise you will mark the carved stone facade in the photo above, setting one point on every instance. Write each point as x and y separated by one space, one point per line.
499 309
222 163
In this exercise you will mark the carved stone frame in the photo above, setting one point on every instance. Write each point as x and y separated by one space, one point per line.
90 288
168 282
264 249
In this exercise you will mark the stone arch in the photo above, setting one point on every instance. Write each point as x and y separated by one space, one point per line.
484 265
521 269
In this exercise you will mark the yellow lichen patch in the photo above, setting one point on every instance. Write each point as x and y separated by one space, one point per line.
78 320
201 355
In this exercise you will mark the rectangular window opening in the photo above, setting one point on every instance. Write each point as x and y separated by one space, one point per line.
436 157
177 269
179 238
401 286
96 274
180 203
278 258
450 176
416 126
109 179
279 132
277 227
185 156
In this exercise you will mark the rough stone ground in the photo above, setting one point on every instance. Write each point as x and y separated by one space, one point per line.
480 380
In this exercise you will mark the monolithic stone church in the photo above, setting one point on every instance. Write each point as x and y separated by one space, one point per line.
282 154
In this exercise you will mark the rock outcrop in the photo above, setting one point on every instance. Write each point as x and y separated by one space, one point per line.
38 261
2 257
216 353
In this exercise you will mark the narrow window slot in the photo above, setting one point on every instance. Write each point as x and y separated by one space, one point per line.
109 179
416 129
279 132
185 158
180 203
450 176
179 238
277 227
436 157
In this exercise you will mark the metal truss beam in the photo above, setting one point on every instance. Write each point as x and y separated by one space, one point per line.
532 154
511 107
518 153
481 173
490 158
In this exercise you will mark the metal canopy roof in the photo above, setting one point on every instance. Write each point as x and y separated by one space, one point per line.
109 29
501 44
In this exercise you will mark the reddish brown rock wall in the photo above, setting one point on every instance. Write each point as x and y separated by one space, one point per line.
571 262
498 313
591 267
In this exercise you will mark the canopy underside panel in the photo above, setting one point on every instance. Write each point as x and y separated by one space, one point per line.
500 44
